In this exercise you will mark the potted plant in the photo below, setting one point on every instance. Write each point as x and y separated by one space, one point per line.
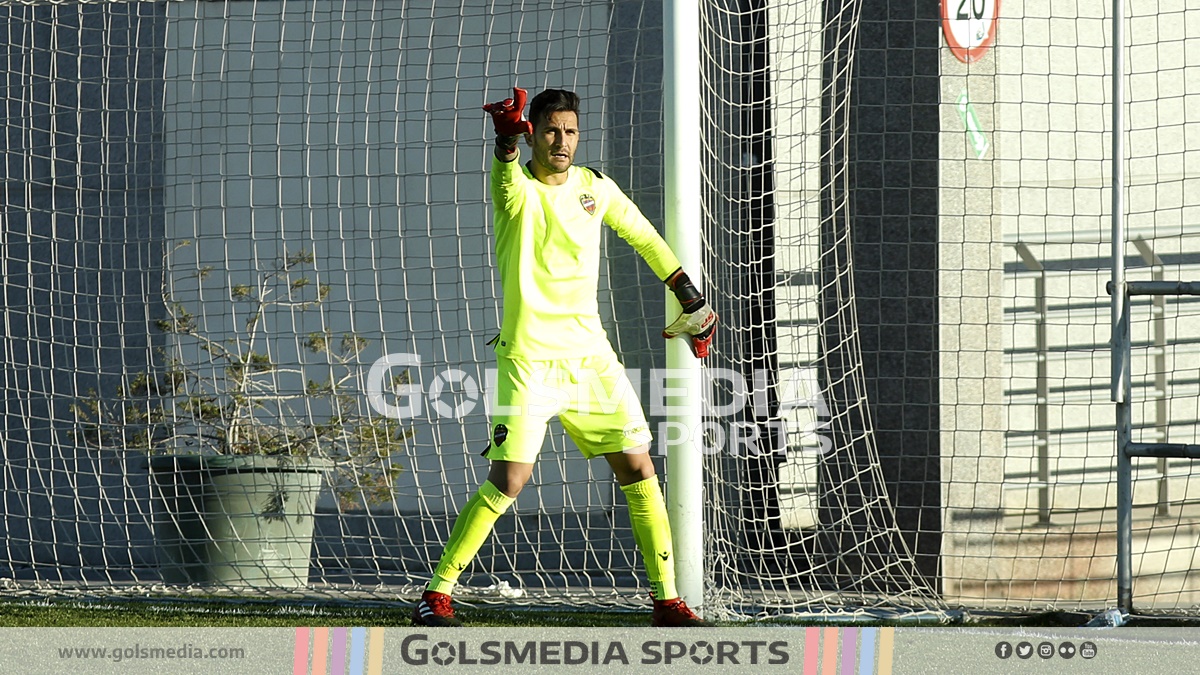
236 453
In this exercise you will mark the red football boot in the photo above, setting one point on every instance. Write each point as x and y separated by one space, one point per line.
676 613
434 610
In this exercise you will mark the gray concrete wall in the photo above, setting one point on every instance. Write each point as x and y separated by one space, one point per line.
355 130
281 126
359 135
81 210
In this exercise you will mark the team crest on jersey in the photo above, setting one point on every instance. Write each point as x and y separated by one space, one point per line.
589 203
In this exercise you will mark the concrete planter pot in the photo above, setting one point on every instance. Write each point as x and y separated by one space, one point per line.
238 521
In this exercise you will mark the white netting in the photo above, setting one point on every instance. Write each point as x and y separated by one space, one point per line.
232 137
870 203
802 517
1052 200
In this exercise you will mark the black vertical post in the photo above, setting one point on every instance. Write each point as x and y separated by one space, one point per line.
888 232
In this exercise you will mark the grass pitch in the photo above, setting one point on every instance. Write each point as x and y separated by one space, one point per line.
216 614
224 614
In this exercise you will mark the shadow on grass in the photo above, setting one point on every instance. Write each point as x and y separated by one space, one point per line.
226 615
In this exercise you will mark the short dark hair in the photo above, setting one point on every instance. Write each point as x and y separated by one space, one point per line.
551 101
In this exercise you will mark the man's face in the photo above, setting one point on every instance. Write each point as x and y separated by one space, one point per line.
554 141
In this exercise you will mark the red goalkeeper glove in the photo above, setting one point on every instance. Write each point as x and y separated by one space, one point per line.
698 321
509 119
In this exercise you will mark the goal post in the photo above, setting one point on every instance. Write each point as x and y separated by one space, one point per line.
682 225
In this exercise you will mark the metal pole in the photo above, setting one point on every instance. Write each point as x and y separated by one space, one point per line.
682 224
1121 336
1120 359
1124 484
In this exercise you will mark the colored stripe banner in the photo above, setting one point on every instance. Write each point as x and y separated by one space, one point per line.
364 656
761 649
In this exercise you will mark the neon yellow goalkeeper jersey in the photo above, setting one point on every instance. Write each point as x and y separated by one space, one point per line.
548 252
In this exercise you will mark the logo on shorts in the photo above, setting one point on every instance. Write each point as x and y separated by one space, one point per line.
589 203
637 431
499 434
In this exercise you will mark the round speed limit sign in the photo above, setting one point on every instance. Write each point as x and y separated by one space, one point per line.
970 27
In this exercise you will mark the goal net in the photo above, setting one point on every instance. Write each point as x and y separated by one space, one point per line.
167 162
231 226
801 517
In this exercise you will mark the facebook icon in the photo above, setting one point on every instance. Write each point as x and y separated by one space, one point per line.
1003 650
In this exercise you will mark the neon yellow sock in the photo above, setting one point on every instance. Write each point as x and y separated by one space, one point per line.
652 532
471 529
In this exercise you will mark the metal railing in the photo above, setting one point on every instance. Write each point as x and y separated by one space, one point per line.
1126 448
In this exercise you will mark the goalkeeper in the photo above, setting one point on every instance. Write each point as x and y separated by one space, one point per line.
548 216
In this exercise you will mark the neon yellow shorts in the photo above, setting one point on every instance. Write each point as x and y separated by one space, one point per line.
591 396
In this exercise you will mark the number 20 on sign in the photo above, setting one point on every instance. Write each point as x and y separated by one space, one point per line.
970 27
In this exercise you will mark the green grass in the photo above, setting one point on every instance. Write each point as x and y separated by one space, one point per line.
227 615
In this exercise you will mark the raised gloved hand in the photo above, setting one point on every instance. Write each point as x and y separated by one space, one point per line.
698 321
509 119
